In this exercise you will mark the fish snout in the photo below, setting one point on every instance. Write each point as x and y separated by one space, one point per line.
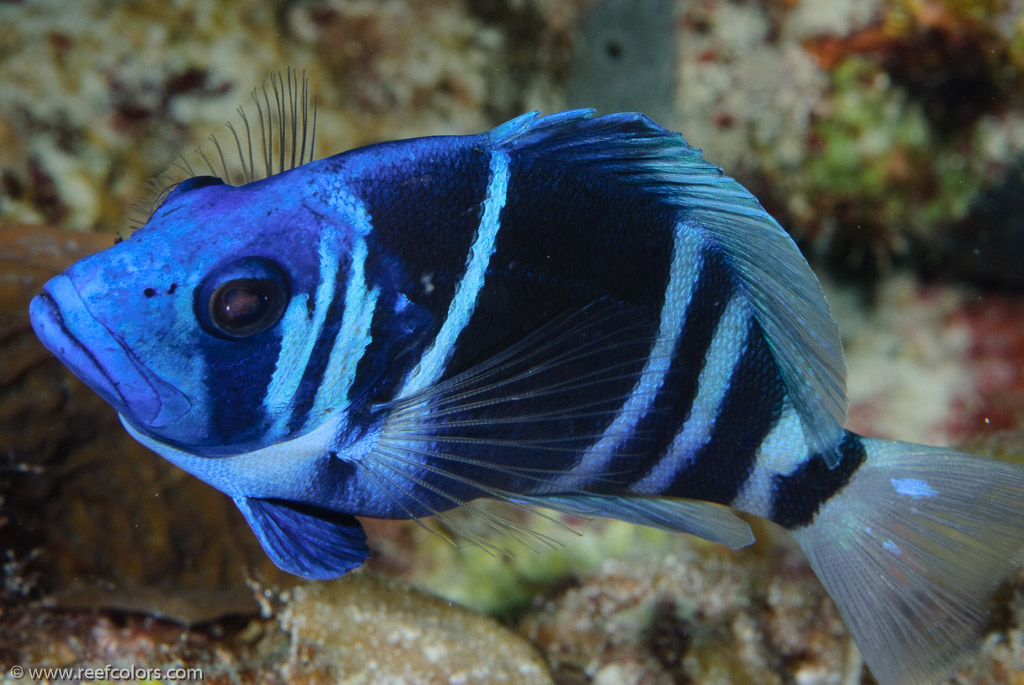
63 323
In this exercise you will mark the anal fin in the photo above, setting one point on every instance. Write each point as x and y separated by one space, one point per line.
703 519
313 543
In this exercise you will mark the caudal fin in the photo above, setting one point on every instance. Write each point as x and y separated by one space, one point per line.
912 549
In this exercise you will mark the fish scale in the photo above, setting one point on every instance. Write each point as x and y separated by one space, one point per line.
571 312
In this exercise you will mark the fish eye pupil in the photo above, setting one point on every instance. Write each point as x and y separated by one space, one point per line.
237 305
244 307
243 298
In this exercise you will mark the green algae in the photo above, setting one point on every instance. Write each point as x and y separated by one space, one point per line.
505 584
883 163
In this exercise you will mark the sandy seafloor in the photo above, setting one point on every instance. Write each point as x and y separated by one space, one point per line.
886 136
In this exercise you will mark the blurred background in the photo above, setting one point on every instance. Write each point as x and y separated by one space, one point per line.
886 135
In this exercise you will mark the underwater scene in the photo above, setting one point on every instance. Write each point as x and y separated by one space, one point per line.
408 341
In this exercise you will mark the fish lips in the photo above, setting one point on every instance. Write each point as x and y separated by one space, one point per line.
62 321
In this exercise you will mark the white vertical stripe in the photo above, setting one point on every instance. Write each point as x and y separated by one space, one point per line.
431 364
301 332
720 363
783 450
682 282
352 339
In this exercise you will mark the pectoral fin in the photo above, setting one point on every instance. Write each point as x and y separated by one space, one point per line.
313 543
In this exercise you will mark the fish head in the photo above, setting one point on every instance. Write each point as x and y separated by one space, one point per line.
181 326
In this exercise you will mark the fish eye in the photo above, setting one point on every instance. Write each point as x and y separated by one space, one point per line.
242 298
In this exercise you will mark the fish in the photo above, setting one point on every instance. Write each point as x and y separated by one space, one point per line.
571 312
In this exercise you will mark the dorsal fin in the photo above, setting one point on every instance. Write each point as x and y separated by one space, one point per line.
769 268
276 133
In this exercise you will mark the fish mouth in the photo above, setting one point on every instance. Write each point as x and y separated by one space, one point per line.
62 321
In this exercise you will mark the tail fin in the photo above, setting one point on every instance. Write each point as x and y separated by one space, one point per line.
912 549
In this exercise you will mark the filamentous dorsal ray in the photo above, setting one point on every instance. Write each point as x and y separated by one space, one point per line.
274 132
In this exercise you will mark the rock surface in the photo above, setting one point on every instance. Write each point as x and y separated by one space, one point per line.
361 629
367 629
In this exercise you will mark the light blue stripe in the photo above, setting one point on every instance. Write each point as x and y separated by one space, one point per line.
432 363
283 470
719 365
301 332
686 262
352 339
783 451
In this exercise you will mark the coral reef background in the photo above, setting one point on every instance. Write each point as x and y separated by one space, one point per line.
886 135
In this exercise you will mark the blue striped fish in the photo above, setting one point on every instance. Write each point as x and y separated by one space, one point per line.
568 311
